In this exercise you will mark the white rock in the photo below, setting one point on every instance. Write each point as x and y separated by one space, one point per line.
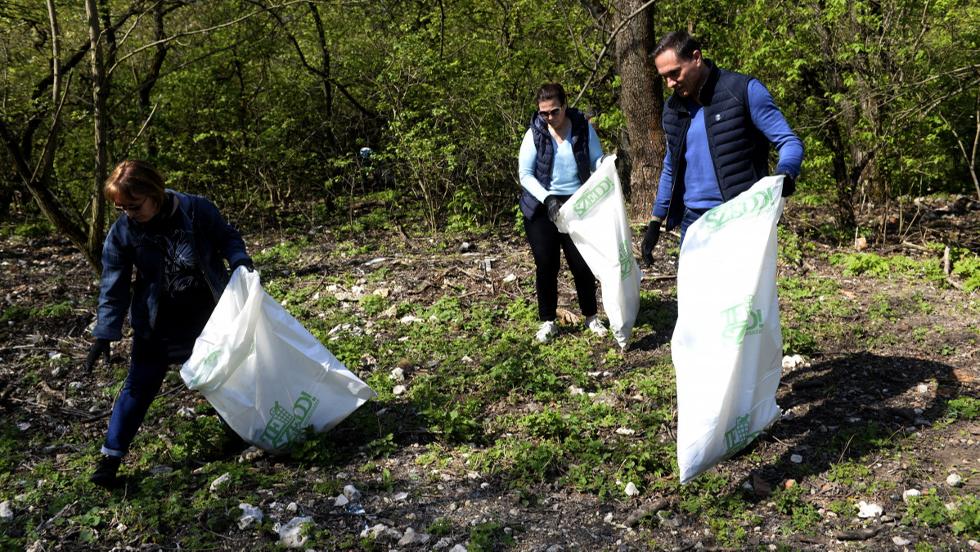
398 374
399 390
291 535
954 480
575 390
509 278
398 497
23 426
122 528
411 537
341 500
250 515
54 355
373 531
443 543
352 493
220 482
625 431
6 512
185 412
901 541
909 493
631 489
409 319
866 510
608 518
922 388
458 548
793 361
292 507
796 459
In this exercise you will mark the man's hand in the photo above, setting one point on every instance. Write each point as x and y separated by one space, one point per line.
552 204
100 347
789 183
246 262
650 239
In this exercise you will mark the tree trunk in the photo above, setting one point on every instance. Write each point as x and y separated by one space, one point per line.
150 80
99 119
642 104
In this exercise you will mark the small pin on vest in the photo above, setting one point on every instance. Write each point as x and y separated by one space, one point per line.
717 117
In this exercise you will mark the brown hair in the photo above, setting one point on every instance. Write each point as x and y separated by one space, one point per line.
133 178
551 91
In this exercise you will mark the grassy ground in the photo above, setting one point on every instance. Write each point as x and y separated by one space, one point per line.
482 437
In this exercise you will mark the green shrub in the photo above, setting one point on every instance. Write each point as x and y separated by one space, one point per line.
963 408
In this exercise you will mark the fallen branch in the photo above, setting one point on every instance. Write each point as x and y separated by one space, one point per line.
858 534
647 510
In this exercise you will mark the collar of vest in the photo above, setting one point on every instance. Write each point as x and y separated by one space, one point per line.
706 93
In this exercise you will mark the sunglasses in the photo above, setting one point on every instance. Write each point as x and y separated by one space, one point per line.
552 113
131 208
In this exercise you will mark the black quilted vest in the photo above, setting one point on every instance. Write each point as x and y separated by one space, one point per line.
545 159
739 151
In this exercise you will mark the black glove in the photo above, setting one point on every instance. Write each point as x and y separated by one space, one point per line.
552 204
246 262
789 183
650 239
100 347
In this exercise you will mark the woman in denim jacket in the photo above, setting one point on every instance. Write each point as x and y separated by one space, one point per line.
178 245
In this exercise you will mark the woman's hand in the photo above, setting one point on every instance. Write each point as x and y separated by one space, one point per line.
99 348
553 206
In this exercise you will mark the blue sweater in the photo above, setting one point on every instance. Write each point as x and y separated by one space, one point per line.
701 189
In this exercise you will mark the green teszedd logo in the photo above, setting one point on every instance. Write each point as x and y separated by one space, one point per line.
592 196
739 436
743 206
742 320
286 426
625 260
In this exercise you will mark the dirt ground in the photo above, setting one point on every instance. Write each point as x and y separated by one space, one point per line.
882 374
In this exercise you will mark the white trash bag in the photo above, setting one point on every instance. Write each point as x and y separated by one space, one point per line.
595 218
264 373
727 344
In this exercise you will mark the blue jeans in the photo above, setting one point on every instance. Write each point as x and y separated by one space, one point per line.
690 215
147 368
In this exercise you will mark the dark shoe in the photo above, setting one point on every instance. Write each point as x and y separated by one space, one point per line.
105 472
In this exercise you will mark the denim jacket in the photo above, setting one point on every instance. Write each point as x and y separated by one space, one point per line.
127 247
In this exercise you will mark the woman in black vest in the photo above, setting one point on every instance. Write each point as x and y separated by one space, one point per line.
559 152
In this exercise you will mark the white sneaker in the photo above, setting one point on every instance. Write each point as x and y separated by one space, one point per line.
593 323
545 332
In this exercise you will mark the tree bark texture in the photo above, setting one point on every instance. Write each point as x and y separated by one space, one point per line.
642 104
99 122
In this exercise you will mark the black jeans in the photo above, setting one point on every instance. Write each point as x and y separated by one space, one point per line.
546 246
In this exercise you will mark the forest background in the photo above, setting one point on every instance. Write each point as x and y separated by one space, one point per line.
264 105
409 265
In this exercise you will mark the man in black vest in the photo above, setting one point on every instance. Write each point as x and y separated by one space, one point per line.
719 126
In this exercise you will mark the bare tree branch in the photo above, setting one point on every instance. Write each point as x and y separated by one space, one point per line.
605 47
